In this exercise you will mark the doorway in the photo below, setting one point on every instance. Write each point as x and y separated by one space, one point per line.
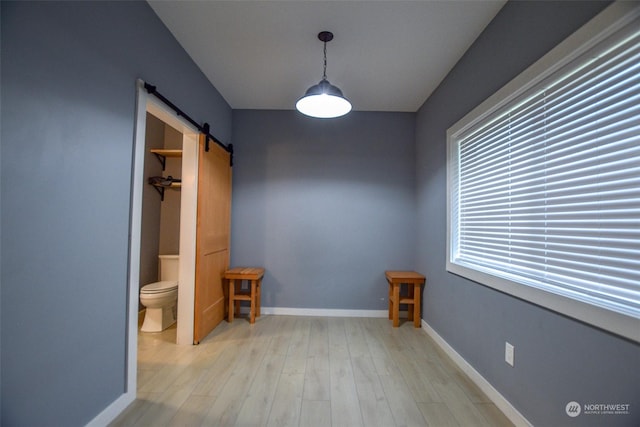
188 215
205 221
188 211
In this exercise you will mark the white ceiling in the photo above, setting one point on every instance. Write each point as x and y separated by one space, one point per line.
385 55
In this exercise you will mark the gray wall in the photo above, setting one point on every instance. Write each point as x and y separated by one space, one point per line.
324 205
68 105
557 359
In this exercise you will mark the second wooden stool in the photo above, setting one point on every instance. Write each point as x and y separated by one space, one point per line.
414 281
254 276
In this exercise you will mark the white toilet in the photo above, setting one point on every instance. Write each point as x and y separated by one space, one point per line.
160 298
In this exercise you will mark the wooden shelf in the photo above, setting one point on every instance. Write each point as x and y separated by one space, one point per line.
173 185
162 154
167 153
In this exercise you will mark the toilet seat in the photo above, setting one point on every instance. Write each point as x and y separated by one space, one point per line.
159 287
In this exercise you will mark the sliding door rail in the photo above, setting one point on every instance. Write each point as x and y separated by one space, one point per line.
205 129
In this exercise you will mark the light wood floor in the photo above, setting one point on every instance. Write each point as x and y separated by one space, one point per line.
304 371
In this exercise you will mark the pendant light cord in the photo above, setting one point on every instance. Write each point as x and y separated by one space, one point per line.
324 74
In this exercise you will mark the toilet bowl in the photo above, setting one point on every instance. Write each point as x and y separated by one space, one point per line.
160 298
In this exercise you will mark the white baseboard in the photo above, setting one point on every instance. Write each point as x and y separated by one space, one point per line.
498 399
112 411
317 312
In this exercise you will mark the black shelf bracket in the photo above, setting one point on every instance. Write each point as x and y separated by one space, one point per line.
160 190
162 159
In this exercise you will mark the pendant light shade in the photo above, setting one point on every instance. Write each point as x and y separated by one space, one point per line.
324 100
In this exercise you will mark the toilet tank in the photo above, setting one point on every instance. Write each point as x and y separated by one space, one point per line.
169 267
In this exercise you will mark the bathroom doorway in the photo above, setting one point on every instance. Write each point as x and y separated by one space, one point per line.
181 236
203 244
160 234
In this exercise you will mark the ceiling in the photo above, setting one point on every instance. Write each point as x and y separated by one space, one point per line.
385 55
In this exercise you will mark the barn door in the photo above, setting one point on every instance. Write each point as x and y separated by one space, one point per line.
213 232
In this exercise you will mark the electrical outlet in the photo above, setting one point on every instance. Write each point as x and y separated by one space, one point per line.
509 353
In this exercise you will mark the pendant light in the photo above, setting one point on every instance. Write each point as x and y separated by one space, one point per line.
324 100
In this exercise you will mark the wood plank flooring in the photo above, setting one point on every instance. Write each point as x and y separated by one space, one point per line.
304 371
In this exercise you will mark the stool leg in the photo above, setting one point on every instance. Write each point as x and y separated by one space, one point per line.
258 297
232 291
396 305
410 287
237 302
225 287
237 308
390 301
416 306
252 314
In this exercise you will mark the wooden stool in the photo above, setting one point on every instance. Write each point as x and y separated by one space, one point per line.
414 281
254 276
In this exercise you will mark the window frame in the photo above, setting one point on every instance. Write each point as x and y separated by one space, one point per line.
598 29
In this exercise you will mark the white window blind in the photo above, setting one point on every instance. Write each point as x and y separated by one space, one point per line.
545 189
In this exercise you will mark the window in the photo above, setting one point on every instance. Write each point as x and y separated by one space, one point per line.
544 180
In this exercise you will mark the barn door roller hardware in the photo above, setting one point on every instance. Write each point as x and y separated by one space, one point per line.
205 129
